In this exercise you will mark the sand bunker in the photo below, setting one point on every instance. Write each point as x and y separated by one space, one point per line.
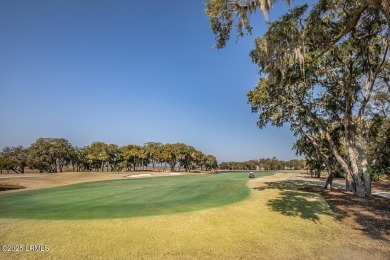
174 173
139 175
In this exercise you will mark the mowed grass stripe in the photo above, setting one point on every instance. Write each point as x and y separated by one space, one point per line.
127 198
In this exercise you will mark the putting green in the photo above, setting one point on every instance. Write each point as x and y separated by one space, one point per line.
127 198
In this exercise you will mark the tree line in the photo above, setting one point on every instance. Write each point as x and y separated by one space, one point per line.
324 70
56 154
264 164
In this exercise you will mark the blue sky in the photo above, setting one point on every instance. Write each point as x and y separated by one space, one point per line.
129 72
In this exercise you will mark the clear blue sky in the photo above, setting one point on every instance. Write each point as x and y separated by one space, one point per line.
129 72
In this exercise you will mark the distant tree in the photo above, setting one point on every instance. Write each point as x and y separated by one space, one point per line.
185 154
53 154
211 163
14 159
113 156
295 164
97 154
199 159
143 155
50 154
153 150
130 156
4 164
171 155
262 164
77 159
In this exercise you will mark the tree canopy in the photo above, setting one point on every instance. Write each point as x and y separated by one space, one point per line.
53 154
225 15
324 70
264 164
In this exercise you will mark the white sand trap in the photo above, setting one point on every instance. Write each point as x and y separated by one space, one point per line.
139 175
174 173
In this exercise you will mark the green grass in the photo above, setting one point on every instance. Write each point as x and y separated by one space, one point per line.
127 198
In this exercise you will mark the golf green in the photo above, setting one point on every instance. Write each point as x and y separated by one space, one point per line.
127 198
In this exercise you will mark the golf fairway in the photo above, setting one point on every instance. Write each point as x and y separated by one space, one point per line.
127 198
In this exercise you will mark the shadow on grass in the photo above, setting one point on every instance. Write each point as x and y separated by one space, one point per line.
297 198
369 215
293 201
5 187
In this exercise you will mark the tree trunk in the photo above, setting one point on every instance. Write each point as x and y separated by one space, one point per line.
364 174
318 173
349 182
352 156
360 185
360 181
172 166
15 170
337 155
329 180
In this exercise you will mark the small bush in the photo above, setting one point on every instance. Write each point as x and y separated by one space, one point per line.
380 174
339 174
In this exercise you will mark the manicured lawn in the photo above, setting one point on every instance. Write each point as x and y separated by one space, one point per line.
127 198
279 220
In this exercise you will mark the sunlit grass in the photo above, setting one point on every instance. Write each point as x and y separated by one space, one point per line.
127 198
269 224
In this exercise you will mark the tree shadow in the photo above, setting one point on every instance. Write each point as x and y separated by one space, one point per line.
297 198
6 187
293 201
319 183
383 186
369 215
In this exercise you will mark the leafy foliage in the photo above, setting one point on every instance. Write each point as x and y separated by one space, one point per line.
324 71
53 154
264 164
226 14
319 94
50 154
14 159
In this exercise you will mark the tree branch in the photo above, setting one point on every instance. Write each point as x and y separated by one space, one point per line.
367 99
352 23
